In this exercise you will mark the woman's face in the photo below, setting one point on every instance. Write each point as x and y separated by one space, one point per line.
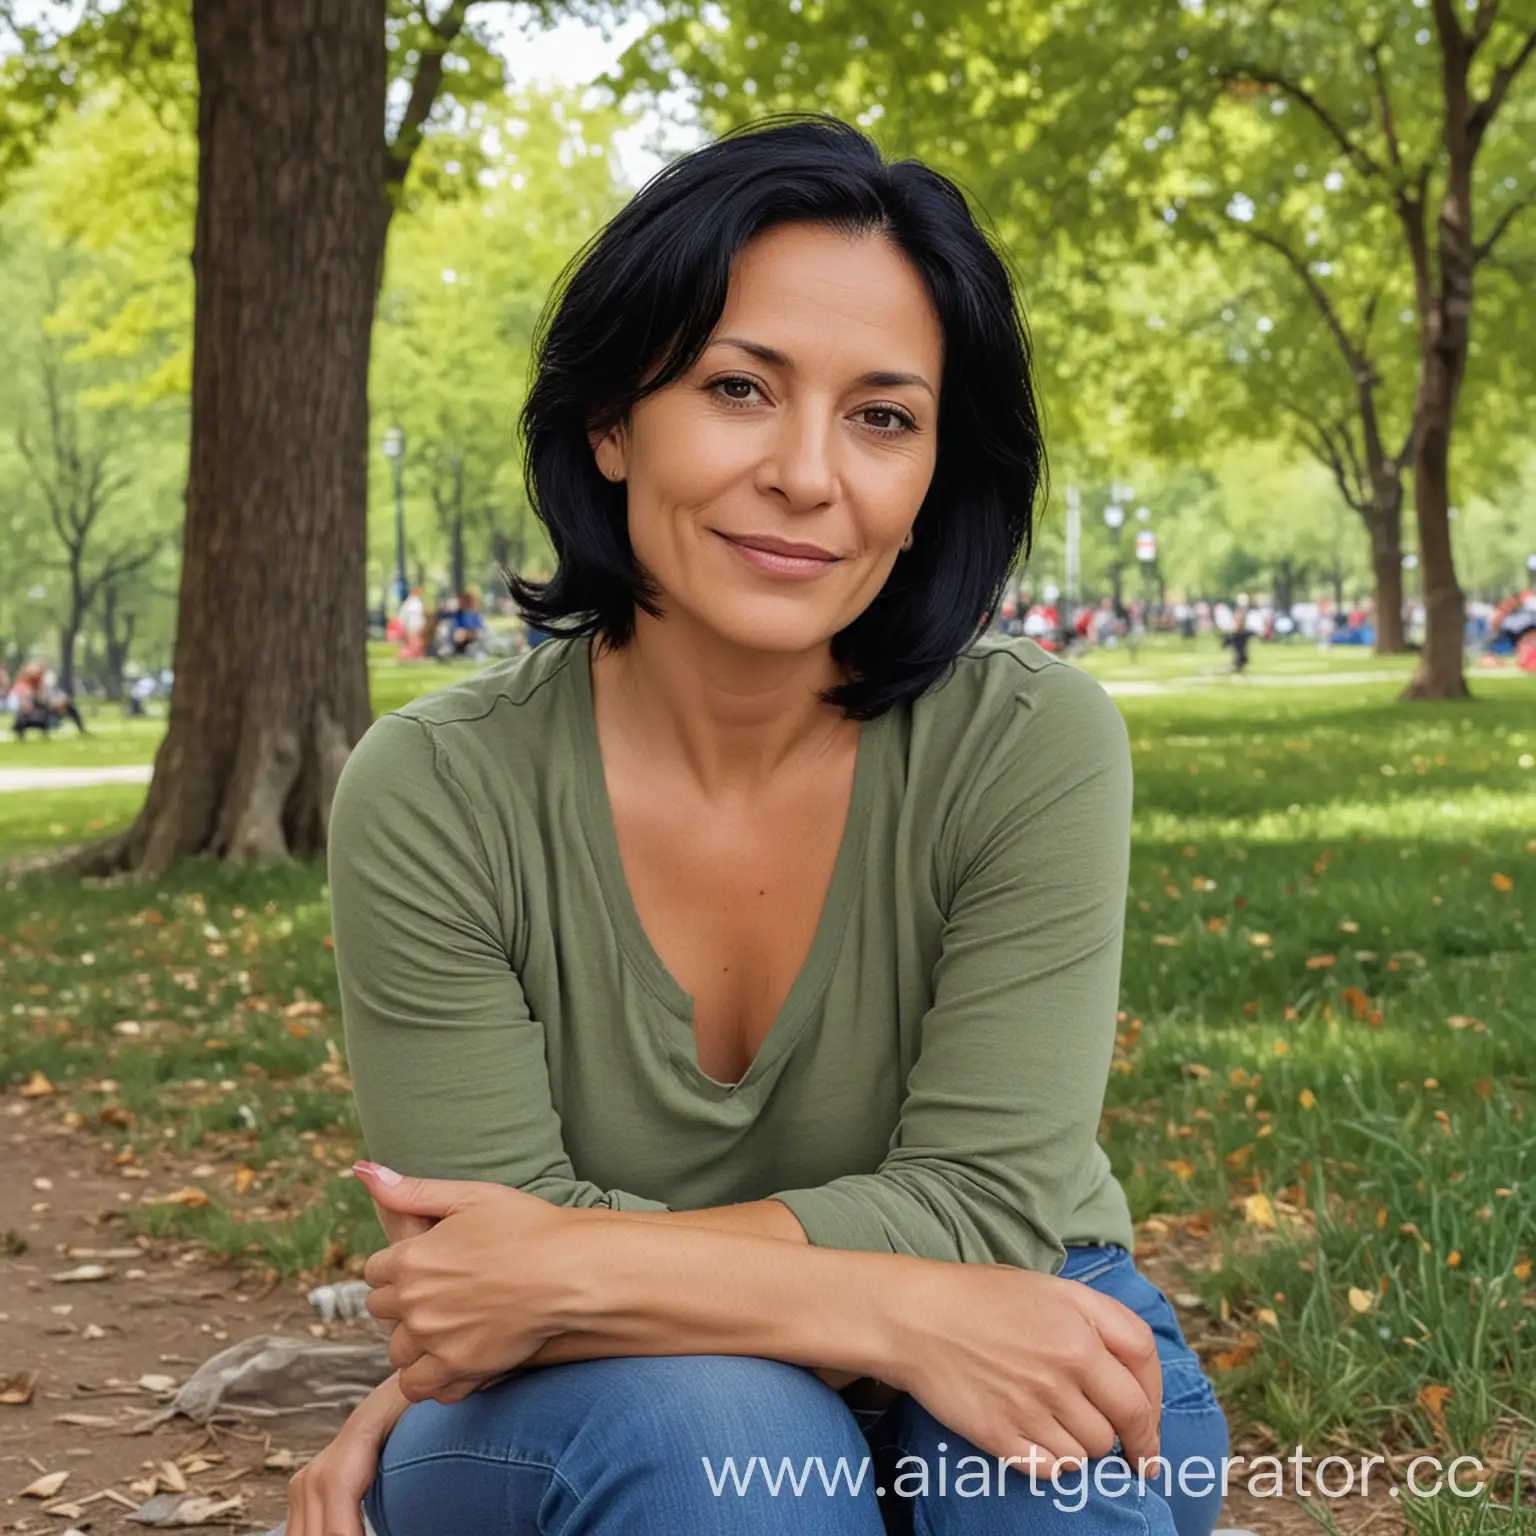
770 487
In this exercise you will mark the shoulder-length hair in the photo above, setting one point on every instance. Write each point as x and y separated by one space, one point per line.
638 306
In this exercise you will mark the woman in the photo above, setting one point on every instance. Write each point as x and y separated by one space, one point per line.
738 1065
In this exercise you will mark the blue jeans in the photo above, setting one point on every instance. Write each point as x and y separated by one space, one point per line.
687 1444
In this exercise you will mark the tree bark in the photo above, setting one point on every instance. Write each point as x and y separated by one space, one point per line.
271 688
1385 521
118 640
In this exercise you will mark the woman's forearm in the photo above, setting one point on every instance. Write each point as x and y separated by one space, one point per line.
648 1284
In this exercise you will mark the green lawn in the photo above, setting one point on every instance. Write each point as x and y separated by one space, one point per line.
1164 660
1324 1074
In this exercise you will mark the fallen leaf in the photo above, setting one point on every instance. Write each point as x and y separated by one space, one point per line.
1181 1168
85 1272
1358 1001
1260 940
1502 883
1258 1211
191 1196
46 1486
1320 962
1464 1021
152 1383
1166 940
244 1178
1454 1258
36 1087
1360 1301
1522 1273
16 1387
171 1475
1196 1069
1307 1099
1266 1315
1432 1400
1247 1347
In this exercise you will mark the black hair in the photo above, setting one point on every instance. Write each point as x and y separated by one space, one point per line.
638 306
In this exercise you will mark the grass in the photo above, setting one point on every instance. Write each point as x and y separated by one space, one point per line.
1164 660
1322 1092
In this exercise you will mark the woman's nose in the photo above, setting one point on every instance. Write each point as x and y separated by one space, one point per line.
801 462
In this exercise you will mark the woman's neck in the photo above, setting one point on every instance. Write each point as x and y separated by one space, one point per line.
729 717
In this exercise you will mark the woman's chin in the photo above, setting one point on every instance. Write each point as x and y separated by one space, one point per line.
774 627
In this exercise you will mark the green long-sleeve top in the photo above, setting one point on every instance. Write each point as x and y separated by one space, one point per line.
933 1082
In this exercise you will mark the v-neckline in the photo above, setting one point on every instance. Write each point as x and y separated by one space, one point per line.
815 972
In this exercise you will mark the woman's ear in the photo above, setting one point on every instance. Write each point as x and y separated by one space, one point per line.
608 450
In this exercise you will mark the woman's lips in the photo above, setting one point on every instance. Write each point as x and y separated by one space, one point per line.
775 562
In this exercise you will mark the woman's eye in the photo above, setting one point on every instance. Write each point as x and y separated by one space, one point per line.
885 418
736 389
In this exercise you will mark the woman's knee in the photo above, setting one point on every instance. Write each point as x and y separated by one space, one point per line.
726 1434
936 1483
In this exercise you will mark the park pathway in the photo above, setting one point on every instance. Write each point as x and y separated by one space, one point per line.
13 780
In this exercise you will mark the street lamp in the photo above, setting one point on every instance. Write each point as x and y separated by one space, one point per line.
1114 520
394 451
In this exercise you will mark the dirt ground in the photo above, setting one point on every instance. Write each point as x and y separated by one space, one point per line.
163 1311
109 1352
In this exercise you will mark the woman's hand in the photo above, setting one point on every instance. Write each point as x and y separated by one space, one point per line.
325 1498
472 1297
1026 1365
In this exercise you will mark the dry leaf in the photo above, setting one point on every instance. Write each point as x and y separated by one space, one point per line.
36 1087
158 1383
85 1272
1523 1270
1502 883
1181 1168
1360 1301
16 1387
46 1486
1307 1099
1260 940
1358 1001
1266 1315
1320 962
171 1475
1259 1212
1432 1400
1166 940
1195 1069
244 1178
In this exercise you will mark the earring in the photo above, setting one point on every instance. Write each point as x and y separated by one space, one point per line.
906 543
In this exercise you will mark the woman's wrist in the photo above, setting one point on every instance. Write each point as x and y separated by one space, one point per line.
613 1285
381 1410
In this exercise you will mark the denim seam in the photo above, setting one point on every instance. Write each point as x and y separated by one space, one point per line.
498 1460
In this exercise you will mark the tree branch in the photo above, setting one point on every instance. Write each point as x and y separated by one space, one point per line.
1487 109
1323 447
1359 365
1361 157
1484 248
399 152
1384 100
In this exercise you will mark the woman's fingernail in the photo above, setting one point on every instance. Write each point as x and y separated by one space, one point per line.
378 1171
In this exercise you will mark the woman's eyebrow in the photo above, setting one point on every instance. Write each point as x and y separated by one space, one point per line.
878 379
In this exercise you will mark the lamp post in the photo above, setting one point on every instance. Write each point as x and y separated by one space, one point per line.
394 451
1114 520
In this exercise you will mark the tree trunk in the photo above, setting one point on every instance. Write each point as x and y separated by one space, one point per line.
271 687
117 642
1386 526
1439 673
